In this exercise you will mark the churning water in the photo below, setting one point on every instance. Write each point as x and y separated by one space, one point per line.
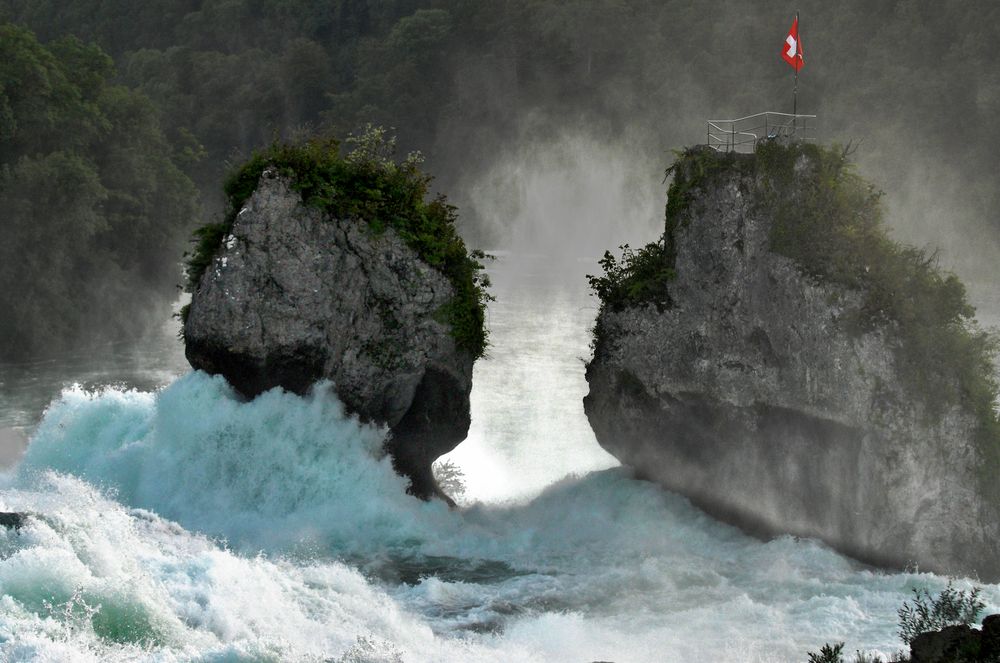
182 524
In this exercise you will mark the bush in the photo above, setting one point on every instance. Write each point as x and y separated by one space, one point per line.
450 478
642 277
953 607
369 185
639 277
828 654
835 654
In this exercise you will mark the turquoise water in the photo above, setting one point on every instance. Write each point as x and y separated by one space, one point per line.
182 524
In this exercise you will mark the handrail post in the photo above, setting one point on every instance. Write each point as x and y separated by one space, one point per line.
746 130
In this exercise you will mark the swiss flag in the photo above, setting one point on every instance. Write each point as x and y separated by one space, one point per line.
791 52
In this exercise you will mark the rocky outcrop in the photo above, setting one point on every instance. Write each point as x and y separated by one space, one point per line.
294 296
959 644
13 520
749 394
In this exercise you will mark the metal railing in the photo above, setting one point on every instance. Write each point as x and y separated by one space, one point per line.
743 134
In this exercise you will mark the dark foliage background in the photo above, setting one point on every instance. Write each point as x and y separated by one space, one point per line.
464 81
93 203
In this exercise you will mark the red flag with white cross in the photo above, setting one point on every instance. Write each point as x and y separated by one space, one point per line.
791 52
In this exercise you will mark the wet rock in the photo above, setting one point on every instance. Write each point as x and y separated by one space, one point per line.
13 520
294 296
752 395
951 644
990 638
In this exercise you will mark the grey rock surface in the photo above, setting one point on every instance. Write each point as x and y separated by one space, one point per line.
749 397
13 442
294 296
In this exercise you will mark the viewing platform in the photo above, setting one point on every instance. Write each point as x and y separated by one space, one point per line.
742 134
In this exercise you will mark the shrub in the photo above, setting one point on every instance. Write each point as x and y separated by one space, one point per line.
643 276
369 185
828 654
639 277
952 607
835 654
450 478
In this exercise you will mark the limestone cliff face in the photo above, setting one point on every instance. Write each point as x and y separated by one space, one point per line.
294 296
748 395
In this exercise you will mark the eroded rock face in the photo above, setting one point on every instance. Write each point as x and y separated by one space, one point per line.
294 297
750 396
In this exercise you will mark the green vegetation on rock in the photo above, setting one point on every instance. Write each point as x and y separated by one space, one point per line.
926 614
828 219
952 607
367 184
639 277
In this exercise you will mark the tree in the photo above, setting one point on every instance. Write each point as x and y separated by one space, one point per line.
93 209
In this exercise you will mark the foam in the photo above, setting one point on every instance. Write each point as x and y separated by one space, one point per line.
294 540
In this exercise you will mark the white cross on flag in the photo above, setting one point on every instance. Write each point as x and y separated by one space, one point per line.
791 52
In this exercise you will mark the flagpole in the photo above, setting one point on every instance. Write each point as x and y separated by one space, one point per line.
795 90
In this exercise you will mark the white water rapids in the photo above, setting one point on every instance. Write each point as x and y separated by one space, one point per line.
180 524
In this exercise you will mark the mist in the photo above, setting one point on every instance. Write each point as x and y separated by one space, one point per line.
565 194
550 124
896 83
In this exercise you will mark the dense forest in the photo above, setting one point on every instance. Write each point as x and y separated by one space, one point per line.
204 82
93 199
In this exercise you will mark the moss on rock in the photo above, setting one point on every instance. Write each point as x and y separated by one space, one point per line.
829 221
367 184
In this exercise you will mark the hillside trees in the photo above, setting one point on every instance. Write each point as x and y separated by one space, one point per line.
463 80
93 208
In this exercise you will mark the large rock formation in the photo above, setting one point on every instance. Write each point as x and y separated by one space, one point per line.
750 390
294 296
